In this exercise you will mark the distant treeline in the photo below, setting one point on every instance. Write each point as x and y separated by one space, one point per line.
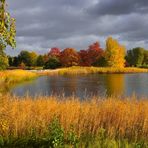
114 55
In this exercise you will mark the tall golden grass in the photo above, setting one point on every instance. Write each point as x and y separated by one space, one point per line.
15 76
120 118
90 70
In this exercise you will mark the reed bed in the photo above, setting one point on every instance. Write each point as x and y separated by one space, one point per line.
15 76
91 70
117 118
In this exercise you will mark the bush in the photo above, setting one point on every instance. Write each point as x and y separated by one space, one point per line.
52 63
56 134
40 61
101 62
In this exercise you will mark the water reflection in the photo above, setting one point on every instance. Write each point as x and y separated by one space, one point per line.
115 84
86 85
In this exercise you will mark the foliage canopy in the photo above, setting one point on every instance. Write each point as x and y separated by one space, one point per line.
7 33
115 53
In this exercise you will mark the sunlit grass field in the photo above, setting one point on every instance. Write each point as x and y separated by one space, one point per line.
15 76
90 70
98 122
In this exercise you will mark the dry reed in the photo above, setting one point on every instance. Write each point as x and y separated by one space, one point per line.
120 118
75 70
15 76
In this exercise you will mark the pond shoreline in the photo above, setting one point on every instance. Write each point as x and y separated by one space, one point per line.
11 78
75 70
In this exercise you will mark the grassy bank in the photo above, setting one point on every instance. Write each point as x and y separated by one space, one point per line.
104 123
15 76
91 70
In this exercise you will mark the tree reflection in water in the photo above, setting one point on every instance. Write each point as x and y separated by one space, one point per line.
115 84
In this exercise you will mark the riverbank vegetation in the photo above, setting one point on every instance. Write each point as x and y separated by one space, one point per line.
98 122
114 55
75 70
15 76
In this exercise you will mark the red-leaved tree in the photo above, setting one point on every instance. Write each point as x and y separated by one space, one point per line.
84 58
54 52
95 52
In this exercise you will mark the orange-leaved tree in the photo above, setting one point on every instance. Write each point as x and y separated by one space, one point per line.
69 57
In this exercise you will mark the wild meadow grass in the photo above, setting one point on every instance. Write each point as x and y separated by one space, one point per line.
68 122
49 122
90 70
15 76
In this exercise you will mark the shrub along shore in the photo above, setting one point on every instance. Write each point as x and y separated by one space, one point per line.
98 122
92 70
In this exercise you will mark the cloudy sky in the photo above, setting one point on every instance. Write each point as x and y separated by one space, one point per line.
42 24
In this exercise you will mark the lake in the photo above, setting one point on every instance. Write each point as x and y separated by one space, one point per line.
85 85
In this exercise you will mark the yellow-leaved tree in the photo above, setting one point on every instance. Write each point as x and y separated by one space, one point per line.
115 53
7 33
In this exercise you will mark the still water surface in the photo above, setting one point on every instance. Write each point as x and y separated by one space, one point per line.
86 85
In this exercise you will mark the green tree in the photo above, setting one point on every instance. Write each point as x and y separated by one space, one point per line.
135 56
7 33
15 61
24 57
40 60
10 59
101 62
52 63
28 58
145 60
115 53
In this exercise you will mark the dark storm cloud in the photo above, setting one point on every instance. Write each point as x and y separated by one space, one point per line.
77 23
118 7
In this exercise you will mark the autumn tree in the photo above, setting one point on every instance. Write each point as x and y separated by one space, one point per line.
7 33
114 53
54 52
69 57
84 58
33 58
95 52
91 55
